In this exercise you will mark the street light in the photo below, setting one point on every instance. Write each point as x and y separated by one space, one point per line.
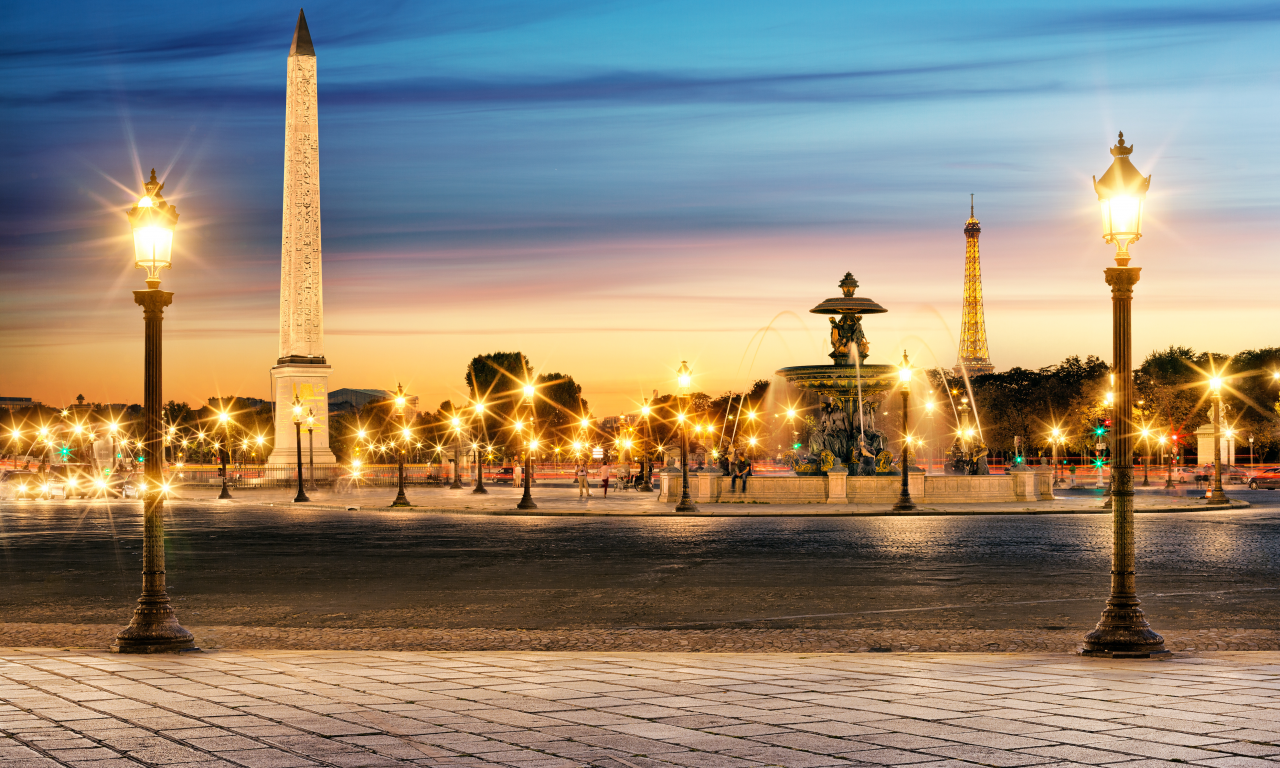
526 501
401 499
153 628
456 424
1146 456
225 419
1216 496
311 448
297 427
475 445
904 379
1123 630
646 459
684 378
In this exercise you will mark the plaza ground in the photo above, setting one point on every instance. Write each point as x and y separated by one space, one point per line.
546 710
264 573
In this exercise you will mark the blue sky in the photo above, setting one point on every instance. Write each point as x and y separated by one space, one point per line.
614 187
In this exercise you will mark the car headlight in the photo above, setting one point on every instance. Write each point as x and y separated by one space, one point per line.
44 488
102 483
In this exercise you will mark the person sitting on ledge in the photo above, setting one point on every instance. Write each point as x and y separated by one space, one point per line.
741 469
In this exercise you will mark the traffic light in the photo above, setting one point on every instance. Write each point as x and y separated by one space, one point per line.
797 446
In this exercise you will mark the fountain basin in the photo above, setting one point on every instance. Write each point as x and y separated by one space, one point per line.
708 488
841 381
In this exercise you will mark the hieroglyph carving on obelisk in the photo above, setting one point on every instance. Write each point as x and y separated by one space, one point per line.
301 369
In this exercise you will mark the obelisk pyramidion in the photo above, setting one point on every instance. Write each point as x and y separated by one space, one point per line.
301 368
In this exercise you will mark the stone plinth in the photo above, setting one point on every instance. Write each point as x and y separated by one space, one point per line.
311 382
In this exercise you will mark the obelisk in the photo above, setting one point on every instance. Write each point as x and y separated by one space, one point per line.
301 369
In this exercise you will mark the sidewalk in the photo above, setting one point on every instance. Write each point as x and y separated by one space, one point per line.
549 710
501 500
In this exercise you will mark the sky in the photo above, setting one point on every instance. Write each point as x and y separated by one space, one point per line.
614 187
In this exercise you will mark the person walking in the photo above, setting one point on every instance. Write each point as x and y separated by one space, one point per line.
584 487
624 476
604 478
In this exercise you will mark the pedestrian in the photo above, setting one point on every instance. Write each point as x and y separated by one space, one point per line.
604 478
741 470
517 476
584 488
624 478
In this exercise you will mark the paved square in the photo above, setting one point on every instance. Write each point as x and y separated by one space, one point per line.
547 710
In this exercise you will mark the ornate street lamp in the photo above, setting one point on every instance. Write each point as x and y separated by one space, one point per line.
646 459
154 628
475 445
684 378
1123 630
225 419
401 499
904 380
297 428
311 448
1145 436
526 501
456 424
1216 496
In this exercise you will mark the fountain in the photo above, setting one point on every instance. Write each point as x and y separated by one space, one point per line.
851 391
848 457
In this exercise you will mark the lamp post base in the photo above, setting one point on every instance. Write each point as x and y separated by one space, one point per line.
903 504
154 629
526 503
1123 633
401 501
226 494
686 506
1216 496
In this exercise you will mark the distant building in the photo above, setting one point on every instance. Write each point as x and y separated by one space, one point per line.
348 400
14 403
238 403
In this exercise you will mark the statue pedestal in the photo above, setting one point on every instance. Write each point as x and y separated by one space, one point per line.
311 382
837 483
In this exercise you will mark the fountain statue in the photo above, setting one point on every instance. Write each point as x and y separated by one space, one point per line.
845 435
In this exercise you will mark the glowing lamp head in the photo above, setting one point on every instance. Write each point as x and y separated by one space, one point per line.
457 422
479 407
968 433
584 423
1111 398
644 410
904 371
528 391
577 446
311 417
791 413
297 408
1121 193
77 429
533 444
684 377
261 439
153 221
751 440
519 425
1215 384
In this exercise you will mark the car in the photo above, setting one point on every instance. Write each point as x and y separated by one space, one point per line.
70 481
21 484
1268 478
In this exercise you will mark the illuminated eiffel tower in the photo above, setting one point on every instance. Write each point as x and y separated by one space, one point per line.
973 357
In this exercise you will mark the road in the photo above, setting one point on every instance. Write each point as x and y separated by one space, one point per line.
283 566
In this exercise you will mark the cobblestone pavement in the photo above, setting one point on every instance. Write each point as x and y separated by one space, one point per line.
289 709
99 636
257 576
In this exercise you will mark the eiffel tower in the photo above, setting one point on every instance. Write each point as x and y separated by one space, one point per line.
974 357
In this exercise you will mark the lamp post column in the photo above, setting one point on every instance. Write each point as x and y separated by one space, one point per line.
479 465
457 463
311 455
526 501
302 493
646 456
686 501
1216 496
1123 630
1146 463
904 495
226 424
154 628
1168 473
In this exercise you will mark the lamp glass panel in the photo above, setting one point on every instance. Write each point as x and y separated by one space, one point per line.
152 247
